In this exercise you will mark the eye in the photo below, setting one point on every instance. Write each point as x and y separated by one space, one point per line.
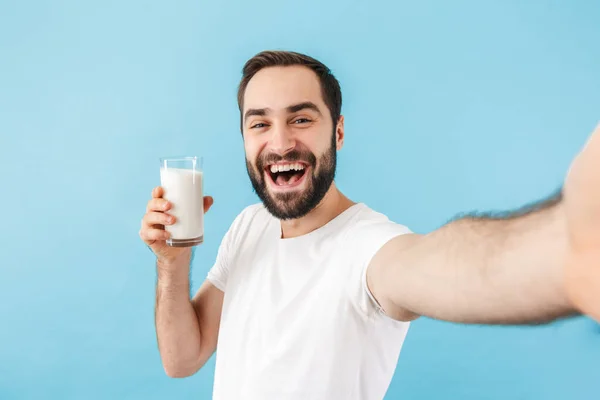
258 125
301 121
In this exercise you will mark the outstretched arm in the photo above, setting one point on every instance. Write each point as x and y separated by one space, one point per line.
490 269
531 266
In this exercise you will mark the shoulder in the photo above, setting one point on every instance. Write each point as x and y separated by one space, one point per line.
368 223
253 216
241 229
368 232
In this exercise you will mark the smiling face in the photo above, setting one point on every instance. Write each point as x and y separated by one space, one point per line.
290 140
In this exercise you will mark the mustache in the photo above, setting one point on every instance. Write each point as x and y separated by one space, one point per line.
292 156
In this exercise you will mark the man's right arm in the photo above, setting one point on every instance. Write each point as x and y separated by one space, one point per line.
186 329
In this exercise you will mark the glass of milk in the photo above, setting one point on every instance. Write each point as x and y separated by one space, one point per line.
181 180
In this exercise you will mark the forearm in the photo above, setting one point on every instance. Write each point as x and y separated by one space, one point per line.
494 270
177 325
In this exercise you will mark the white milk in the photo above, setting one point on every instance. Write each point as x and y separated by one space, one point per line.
183 189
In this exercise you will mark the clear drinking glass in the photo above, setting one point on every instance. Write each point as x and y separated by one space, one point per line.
181 179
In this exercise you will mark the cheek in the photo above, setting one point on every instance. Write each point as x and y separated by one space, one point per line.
317 145
252 155
251 151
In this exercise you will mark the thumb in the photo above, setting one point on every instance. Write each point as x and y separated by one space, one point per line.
208 202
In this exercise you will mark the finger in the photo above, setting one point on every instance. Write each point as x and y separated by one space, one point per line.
158 192
208 202
158 218
152 235
158 204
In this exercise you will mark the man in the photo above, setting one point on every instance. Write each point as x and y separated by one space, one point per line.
312 294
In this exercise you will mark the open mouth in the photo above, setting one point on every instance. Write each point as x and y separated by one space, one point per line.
287 175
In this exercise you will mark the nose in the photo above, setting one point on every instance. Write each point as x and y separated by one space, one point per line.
282 140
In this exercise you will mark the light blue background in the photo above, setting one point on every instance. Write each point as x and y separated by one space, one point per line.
450 107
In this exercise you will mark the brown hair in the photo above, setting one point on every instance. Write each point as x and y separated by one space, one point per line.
330 87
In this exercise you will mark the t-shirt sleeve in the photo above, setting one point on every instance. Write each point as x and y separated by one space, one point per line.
368 239
219 272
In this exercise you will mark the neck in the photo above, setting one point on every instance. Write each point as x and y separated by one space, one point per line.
332 205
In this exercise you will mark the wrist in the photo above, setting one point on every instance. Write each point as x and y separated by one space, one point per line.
173 272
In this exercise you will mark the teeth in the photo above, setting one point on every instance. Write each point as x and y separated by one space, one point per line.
286 167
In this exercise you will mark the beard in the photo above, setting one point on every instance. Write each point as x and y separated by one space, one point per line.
295 204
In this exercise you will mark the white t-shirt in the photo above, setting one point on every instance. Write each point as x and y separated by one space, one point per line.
298 320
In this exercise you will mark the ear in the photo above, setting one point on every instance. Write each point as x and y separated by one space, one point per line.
339 133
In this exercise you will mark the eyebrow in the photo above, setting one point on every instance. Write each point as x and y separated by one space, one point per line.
307 105
261 112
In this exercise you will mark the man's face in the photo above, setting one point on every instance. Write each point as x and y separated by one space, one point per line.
289 139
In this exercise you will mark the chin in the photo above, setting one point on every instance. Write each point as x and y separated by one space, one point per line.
288 205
